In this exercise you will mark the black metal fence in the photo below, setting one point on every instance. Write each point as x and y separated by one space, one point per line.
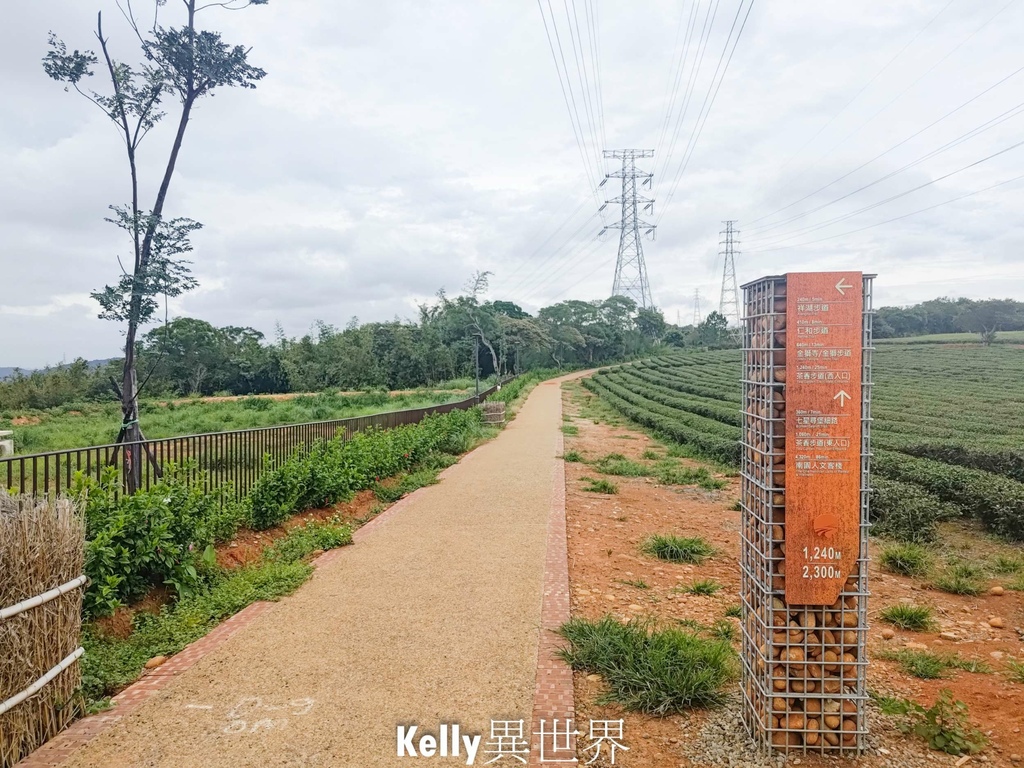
219 457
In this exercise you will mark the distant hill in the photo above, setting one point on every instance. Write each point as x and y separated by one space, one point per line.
6 372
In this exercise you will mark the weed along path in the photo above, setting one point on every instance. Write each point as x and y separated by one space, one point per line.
433 618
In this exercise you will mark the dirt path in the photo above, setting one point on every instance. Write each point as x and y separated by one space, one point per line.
431 618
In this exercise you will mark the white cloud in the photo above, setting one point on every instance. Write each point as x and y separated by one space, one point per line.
397 146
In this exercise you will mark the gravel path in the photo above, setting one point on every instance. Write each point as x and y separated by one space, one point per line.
431 618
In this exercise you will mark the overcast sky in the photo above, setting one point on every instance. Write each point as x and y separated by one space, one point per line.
395 147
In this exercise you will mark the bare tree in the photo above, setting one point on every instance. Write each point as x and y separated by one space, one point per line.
182 64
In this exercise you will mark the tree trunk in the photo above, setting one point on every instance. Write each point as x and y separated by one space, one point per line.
131 433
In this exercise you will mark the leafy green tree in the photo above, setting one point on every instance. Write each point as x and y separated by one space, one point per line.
713 331
179 63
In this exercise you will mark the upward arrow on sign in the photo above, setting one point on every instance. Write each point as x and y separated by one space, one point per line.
841 286
842 396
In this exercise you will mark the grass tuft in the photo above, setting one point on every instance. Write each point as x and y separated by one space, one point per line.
906 559
916 618
678 549
670 473
617 464
573 456
1007 566
1016 670
570 429
703 587
656 671
960 579
734 611
601 486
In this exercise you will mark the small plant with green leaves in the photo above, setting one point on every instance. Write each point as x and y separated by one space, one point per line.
650 455
737 506
601 486
570 429
638 583
1015 669
678 549
916 618
906 559
960 579
944 725
702 587
648 669
573 456
977 666
734 612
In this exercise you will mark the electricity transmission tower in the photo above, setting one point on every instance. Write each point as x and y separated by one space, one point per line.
630 270
729 306
696 308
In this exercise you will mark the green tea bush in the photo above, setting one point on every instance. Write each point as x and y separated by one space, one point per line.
996 501
154 537
906 512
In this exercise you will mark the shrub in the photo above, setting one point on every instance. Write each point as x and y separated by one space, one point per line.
153 537
916 618
678 549
657 671
329 472
906 559
996 501
905 512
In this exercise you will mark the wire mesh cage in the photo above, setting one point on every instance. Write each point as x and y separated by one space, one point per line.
803 666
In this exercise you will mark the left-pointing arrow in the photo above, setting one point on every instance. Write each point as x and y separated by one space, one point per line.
841 286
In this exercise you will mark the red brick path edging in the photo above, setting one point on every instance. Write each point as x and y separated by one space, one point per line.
553 691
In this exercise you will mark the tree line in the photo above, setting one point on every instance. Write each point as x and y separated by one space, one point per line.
985 317
188 356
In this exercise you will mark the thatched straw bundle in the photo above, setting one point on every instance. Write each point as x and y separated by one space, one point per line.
42 546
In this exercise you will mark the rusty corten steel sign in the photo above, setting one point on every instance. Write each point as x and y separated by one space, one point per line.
824 322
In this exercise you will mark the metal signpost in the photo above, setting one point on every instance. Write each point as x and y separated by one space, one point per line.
806 430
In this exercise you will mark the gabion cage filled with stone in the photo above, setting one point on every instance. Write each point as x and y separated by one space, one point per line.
803 666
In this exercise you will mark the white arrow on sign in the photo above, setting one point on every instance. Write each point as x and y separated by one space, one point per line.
842 395
840 286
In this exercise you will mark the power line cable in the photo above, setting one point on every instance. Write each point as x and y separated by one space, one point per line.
864 87
886 152
889 221
999 119
569 97
900 95
702 45
807 230
699 127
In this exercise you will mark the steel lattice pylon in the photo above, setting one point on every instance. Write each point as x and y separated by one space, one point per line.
630 269
729 305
